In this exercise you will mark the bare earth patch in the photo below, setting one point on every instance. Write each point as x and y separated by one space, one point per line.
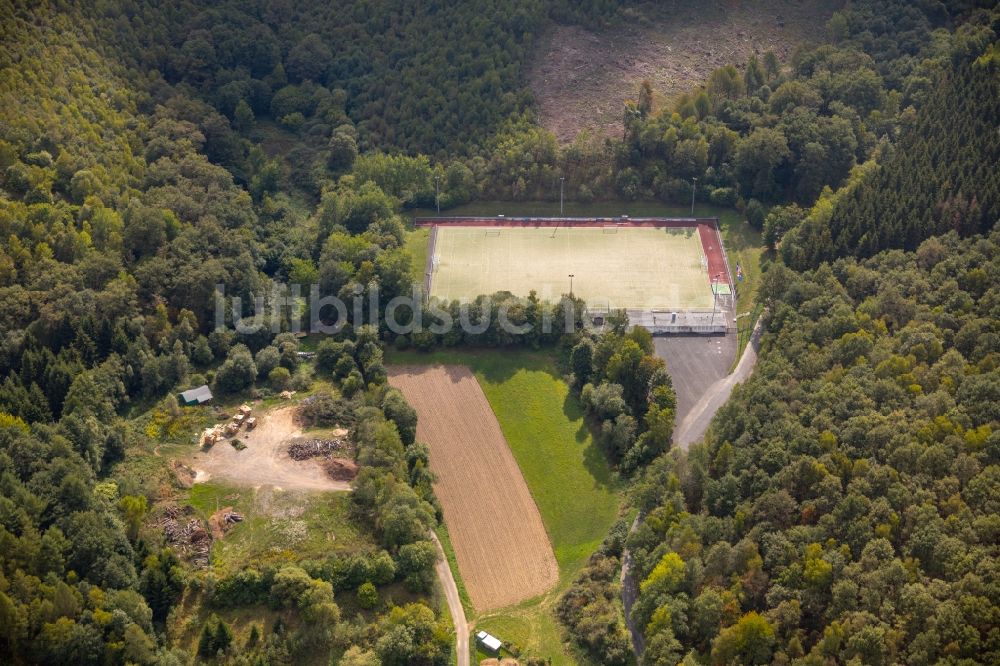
265 460
581 79
503 551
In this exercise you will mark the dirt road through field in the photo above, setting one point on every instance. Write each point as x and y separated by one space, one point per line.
503 551
454 604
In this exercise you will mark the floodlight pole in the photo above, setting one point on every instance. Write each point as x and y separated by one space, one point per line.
694 187
437 194
736 320
715 297
562 180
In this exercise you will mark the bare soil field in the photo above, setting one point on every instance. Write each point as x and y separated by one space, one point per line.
265 460
503 551
581 79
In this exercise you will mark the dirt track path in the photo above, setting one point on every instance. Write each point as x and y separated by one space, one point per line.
630 592
454 604
695 424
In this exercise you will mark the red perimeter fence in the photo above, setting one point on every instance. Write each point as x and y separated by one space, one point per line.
708 231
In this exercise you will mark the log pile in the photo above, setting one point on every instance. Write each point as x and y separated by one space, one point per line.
186 534
336 454
304 449
222 520
220 431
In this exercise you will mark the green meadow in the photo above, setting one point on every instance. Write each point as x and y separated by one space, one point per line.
575 489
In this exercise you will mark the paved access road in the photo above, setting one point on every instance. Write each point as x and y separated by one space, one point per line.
697 367
694 424
695 363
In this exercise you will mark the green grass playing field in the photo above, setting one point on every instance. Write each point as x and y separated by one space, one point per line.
627 267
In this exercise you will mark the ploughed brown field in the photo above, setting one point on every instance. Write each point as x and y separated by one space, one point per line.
503 552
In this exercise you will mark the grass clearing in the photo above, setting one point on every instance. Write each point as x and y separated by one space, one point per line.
416 243
449 552
576 491
533 627
279 526
184 628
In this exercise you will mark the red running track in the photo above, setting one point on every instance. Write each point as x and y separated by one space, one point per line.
711 243
672 222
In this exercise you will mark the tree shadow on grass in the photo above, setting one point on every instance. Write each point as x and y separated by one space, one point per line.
595 460
497 366
492 364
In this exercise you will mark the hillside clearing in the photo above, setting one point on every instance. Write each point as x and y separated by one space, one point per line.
279 526
581 79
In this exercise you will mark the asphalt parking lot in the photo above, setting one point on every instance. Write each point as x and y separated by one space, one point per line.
695 362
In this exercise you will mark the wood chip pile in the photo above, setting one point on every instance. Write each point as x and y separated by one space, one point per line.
340 469
184 474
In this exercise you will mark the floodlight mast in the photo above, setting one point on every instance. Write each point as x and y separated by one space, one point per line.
736 320
715 296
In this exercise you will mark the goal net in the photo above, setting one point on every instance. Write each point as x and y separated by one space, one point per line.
610 230
492 232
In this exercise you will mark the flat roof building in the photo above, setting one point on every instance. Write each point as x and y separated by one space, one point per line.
491 643
196 396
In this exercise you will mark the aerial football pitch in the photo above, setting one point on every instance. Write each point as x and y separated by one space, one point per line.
612 266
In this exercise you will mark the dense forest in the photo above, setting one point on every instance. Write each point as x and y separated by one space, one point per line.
812 520
940 176
843 508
